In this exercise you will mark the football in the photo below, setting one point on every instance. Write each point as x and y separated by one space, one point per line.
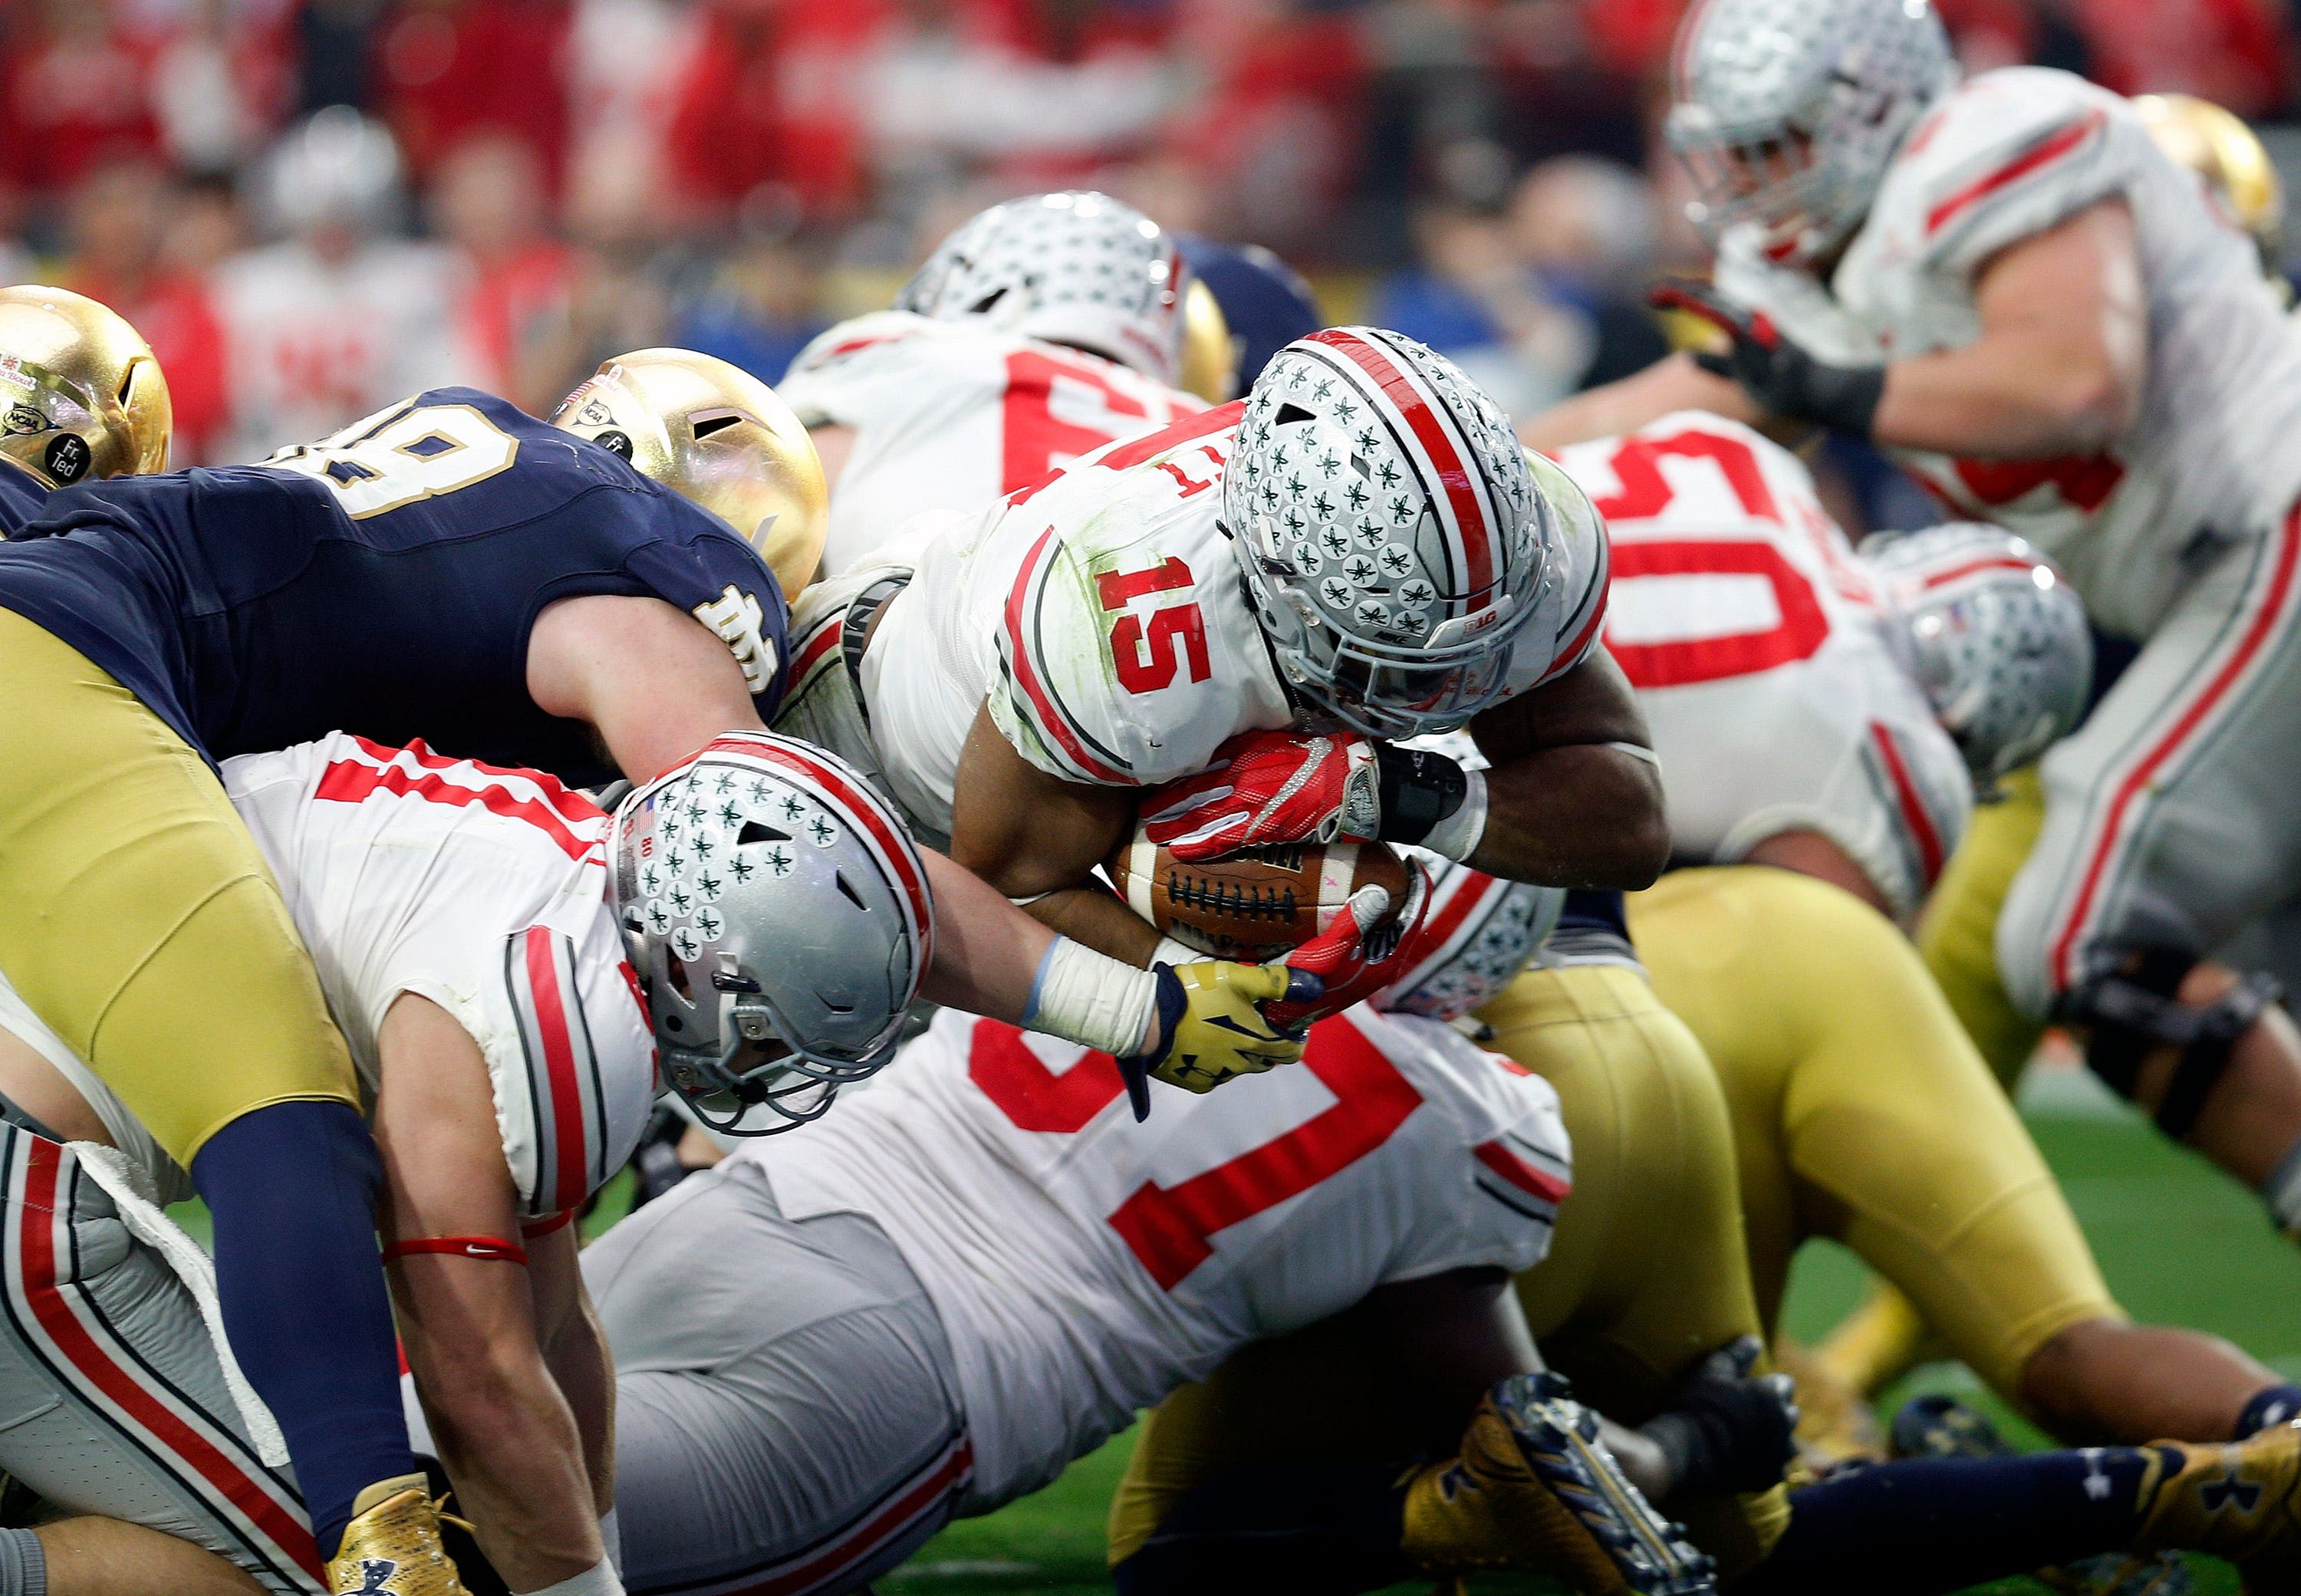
1257 904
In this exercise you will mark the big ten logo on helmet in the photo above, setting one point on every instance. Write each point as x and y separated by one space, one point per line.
734 617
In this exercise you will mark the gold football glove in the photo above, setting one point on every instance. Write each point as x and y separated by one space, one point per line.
1212 1029
392 1547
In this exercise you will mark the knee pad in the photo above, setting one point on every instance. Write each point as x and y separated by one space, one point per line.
2133 1012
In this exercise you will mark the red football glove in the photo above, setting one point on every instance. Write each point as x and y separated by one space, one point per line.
1355 957
1269 787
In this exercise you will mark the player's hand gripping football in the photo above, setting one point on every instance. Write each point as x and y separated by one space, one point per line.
1361 952
1219 1020
1782 376
1267 787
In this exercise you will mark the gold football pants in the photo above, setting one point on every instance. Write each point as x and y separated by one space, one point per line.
1645 1275
1957 935
136 918
1861 1111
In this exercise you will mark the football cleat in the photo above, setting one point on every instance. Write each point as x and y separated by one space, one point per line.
1941 1427
392 1545
1533 1489
2240 1500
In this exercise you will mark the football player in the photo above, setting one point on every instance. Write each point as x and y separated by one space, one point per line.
1245 304
85 398
2008 285
985 1267
471 924
1360 545
451 568
1037 332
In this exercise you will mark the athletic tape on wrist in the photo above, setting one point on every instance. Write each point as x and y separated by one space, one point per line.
1171 952
1458 836
600 1579
1091 999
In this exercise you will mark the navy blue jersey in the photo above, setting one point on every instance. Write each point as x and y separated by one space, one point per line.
22 496
383 581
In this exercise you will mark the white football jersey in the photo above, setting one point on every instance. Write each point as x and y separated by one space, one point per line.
1102 616
310 347
950 415
1085 1266
2008 155
482 889
1768 670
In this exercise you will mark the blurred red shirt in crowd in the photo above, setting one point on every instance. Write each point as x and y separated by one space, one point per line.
74 93
448 69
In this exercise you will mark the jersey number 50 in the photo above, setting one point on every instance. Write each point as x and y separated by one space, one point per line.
399 456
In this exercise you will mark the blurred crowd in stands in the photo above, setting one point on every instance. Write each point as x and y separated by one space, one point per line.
312 206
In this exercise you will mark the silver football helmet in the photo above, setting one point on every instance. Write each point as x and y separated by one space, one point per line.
779 918
1077 268
1394 541
1497 927
2000 641
337 168
1786 111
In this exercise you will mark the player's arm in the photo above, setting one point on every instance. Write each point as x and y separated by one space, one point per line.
468 1323
1036 836
2058 368
575 1351
1573 792
650 679
1809 853
1671 384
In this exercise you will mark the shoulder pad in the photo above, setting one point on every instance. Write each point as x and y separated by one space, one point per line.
570 1100
2006 155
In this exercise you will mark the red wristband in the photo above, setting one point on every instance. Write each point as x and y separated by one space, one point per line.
487 1250
543 1227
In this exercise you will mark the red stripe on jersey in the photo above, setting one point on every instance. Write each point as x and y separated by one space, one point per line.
855 346
1920 824
860 1543
1518 1173
350 782
2039 154
563 799
1942 578
861 811
1051 714
551 1022
821 645
1173 435
122 1387
2263 622
1476 532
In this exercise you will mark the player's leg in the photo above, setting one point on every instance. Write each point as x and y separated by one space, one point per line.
138 920
2170 823
1647 1273
1898 1142
114 1408
787 1415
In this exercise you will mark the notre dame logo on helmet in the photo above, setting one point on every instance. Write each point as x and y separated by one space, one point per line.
69 458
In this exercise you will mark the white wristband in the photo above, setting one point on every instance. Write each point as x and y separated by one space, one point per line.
611 1536
599 1580
1172 952
1457 836
1091 999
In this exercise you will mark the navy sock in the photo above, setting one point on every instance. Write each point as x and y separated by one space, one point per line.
1312 1528
2269 1408
1933 1524
291 1189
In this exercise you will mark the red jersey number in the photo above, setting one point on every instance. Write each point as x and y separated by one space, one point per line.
1146 654
1171 1229
1057 410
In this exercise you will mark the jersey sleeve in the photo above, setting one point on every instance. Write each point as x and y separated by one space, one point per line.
2003 158
1550 647
1896 795
1501 1163
1129 696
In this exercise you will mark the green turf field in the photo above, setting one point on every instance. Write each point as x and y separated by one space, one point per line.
2178 1243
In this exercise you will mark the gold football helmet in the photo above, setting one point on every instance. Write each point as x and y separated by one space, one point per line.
2218 146
80 394
1209 355
719 436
